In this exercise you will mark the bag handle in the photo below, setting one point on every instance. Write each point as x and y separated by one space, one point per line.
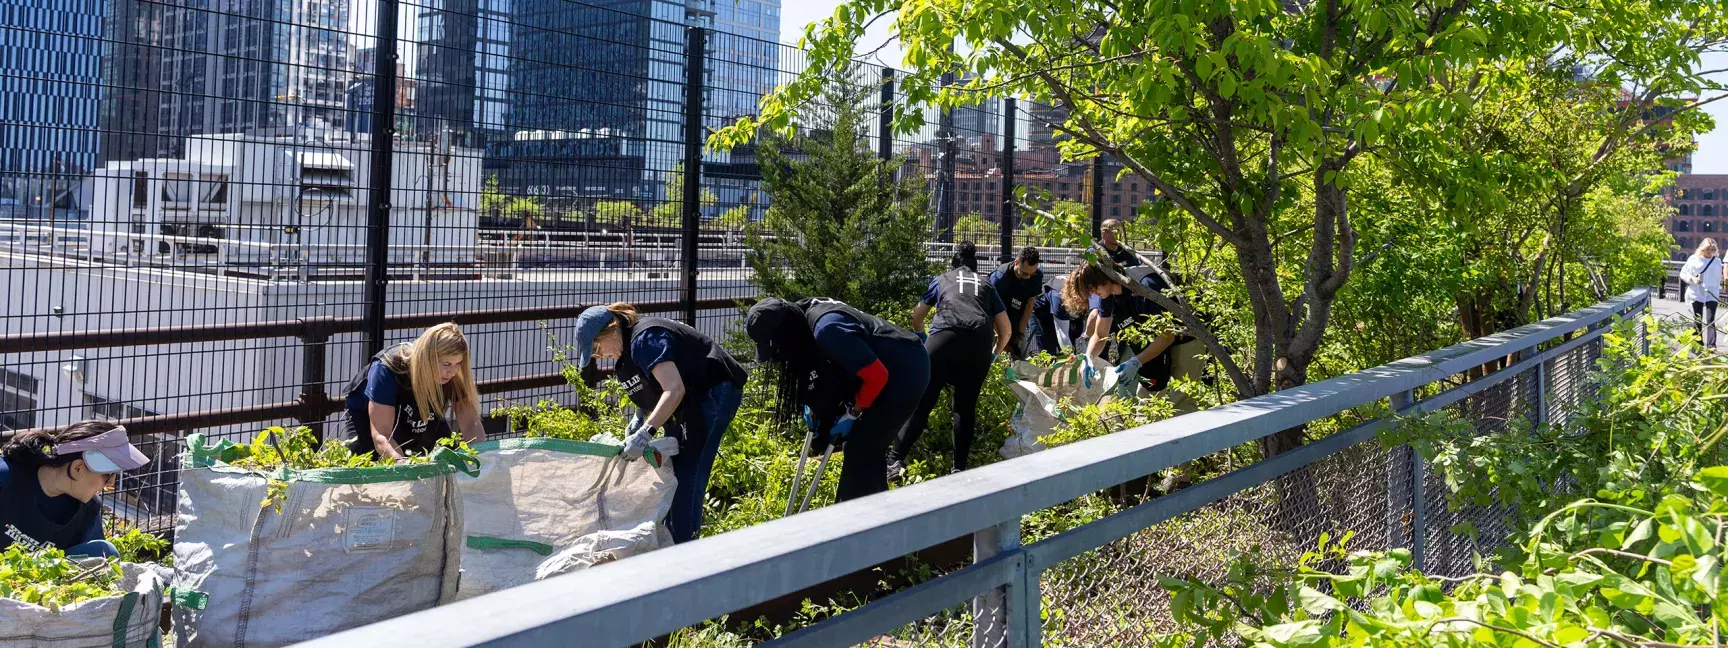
467 463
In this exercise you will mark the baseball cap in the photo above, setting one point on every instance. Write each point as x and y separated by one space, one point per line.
588 326
763 321
108 452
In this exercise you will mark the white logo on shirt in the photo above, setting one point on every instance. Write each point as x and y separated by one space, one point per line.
967 280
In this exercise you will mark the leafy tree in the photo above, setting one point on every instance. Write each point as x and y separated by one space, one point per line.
670 211
617 212
734 218
494 202
974 228
1255 121
839 225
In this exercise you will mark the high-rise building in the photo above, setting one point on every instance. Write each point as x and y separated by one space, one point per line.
464 68
131 108
259 67
1041 131
50 85
585 100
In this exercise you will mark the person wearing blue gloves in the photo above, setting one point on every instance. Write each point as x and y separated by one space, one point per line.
961 351
1089 287
857 377
1058 329
677 378
49 481
1018 283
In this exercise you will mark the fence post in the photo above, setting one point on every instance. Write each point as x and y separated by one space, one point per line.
1000 617
1009 213
1418 493
695 55
314 370
885 117
379 184
945 170
1097 196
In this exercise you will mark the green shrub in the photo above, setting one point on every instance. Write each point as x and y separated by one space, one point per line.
47 578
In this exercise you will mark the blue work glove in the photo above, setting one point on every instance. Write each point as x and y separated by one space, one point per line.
843 426
923 337
1128 375
636 438
809 420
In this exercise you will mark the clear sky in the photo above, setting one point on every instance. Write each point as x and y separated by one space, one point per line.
1712 155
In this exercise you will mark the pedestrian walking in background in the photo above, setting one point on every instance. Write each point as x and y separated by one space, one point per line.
1702 276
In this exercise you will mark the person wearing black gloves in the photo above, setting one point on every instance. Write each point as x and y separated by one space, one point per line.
857 377
961 351
1087 286
677 378
1018 283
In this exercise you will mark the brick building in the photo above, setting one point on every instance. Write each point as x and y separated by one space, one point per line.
1700 210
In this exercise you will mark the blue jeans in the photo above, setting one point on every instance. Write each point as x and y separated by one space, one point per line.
695 458
94 549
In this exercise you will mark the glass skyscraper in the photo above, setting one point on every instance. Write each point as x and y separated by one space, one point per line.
51 54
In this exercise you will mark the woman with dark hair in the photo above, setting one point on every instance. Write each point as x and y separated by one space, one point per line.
49 482
856 376
1088 287
678 378
961 351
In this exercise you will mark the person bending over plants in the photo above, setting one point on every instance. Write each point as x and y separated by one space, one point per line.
678 378
49 482
402 401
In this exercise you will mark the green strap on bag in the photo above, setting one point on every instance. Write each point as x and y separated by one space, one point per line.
189 599
489 542
468 464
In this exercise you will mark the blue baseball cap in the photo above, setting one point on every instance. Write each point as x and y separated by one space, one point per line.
588 326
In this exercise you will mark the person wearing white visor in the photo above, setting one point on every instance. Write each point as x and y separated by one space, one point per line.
49 481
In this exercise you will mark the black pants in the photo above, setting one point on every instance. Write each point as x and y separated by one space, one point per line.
866 469
960 358
1047 340
1704 322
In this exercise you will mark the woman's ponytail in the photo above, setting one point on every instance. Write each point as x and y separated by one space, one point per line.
965 255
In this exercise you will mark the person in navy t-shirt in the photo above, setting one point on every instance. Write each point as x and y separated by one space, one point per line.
679 379
398 402
857 377
1088 287
1019 283
49 481
961 350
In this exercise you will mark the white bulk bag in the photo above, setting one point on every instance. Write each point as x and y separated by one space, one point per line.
349 547
1044 394
123 621
543 506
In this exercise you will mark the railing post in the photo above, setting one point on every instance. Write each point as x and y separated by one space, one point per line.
314 370
1008 205
379 185
1418 492
885 117
998 616
695 55
945 184
1097 196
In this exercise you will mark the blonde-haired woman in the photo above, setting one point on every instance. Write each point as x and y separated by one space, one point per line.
1702 276
403 400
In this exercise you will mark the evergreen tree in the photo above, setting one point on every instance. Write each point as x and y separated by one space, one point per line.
839 224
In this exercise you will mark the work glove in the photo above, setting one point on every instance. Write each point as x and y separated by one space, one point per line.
636 438
843 426
923 337
1128 375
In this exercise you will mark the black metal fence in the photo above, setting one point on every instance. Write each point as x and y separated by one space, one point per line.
212 212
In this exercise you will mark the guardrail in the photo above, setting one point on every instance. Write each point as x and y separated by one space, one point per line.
1020 595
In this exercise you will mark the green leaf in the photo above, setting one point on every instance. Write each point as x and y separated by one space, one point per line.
1316 602
1715 478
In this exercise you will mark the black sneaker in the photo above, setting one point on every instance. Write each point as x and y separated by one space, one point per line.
895 470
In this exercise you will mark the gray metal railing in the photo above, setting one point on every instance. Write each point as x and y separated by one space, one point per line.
1095 584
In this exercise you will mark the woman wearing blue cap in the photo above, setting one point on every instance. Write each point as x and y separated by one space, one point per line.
49 481
858 377
677 377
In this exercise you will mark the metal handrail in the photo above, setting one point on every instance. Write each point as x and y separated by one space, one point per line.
643 597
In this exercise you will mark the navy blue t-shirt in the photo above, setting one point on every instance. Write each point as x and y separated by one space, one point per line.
1015 292
933 296
1130 304
381 388
59 508
652 347
845 341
